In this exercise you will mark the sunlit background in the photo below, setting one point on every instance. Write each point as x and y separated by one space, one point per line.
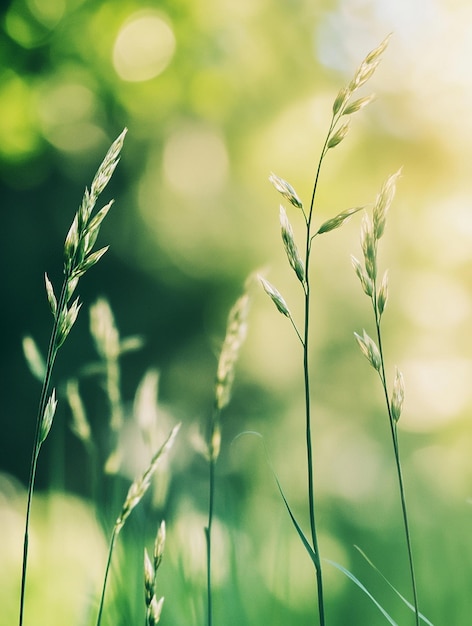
216 94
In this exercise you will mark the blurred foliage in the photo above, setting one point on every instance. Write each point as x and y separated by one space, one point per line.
216 95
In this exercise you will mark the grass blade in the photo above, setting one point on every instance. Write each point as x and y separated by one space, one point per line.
355 580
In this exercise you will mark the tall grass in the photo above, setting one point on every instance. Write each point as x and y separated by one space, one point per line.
371 232
235 335
79 257
344 106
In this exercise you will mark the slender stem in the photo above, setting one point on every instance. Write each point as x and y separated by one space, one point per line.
51 357
306 374
309 451
107 570
213 451
211 502
396 451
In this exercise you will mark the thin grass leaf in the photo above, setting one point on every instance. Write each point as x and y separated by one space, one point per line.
312 554
355 580
308 547
402 598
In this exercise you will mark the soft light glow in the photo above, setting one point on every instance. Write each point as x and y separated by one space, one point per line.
195 161
144 47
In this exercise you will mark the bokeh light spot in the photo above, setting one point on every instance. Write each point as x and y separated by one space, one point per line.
144 47
67 113
47 12
195 161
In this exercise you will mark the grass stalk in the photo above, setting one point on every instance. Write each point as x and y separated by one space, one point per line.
371 232
343 107
78 259
396 453
236 330
134 496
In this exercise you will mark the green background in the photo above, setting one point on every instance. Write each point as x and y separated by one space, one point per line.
216 95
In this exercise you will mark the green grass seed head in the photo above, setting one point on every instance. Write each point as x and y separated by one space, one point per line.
286 189
382 295
370 350
236 330
382 204
398 395
290 246
275 296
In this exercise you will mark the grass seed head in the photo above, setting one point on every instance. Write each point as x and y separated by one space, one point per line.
80 425
104 331
286 189
337 221
149 578
236 331
140 486
154 611
369 247
48 416
382 295
50 294
34 358
398 395
338 136
383 202
159 544
369 350
290 246
366 281
275 296
357 105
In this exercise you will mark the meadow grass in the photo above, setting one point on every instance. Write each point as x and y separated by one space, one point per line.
343 107
79 257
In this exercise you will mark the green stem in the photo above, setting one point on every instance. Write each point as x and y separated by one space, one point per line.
51 357
396 451
107 570
213 455
208 529
306 375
